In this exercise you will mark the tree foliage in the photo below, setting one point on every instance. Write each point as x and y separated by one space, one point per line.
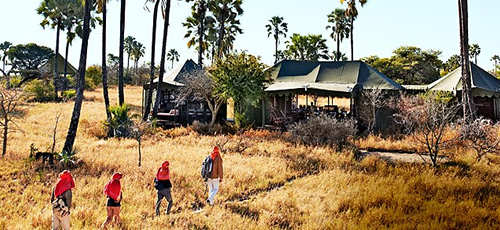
277 28
409 65
340 29
27 60
307 48
240 77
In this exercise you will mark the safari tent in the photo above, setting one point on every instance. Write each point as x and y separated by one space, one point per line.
173 112
485 89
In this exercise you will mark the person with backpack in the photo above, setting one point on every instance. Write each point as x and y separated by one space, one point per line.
113 191
61 201
215 175
163 185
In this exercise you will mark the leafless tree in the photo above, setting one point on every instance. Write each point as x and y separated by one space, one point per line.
374 99
426 120
139 128
54 132
9 102
199 85
481 136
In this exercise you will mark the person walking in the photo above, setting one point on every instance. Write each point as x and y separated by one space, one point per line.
216 176
61 201
113 190
163 185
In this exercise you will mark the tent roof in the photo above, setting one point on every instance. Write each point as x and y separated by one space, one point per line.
49 66
176 77
327 76
483 83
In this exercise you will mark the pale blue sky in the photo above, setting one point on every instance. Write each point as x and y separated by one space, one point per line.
382 26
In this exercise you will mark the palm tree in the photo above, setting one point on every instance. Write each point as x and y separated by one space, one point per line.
149 96
128 47
196 26
52 11
467 100
166 12
121 94
340 29
102 7
474 51
276 27
173 56
352 14
75 117
495 59
138 51
226 13
307 48
4 47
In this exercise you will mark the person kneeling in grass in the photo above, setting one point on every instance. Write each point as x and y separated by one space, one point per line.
163 185
61 201
113 191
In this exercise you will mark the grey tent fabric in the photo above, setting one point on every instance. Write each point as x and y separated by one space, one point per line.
49 66
344 76
484 84
177 76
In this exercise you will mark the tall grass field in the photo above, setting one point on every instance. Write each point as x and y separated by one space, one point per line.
272 184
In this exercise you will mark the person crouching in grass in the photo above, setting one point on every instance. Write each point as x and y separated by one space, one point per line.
113 191
61 201
163 185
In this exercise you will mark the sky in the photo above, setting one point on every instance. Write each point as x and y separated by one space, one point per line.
382 26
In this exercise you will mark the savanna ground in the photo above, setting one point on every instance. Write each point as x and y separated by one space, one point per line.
271 184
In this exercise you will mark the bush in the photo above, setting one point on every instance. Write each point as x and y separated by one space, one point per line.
93 77
205 129
40 91
323 130
69 94
120 122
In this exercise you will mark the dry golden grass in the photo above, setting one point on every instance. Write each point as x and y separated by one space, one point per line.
272 184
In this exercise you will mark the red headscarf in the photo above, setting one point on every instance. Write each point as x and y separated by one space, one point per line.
113 188
215 153
163 172
64 184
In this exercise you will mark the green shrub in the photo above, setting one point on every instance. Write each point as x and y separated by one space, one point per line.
15 80
40 91
69 94
93 77
120 122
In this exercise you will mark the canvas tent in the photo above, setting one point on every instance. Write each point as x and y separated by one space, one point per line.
48 68
485 89
338 81
484 84
173 112
327 77
176 77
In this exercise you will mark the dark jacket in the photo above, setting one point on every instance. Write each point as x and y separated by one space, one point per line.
66 196
162 184
217 169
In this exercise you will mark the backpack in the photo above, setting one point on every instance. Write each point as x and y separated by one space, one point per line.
206 168
59 205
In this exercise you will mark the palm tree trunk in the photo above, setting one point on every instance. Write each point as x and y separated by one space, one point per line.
475 59
149 97
467 100
66 65
276 49
104 66
75 117
56 70
352 38
221 34
337 55
162 61
121 96
201 32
